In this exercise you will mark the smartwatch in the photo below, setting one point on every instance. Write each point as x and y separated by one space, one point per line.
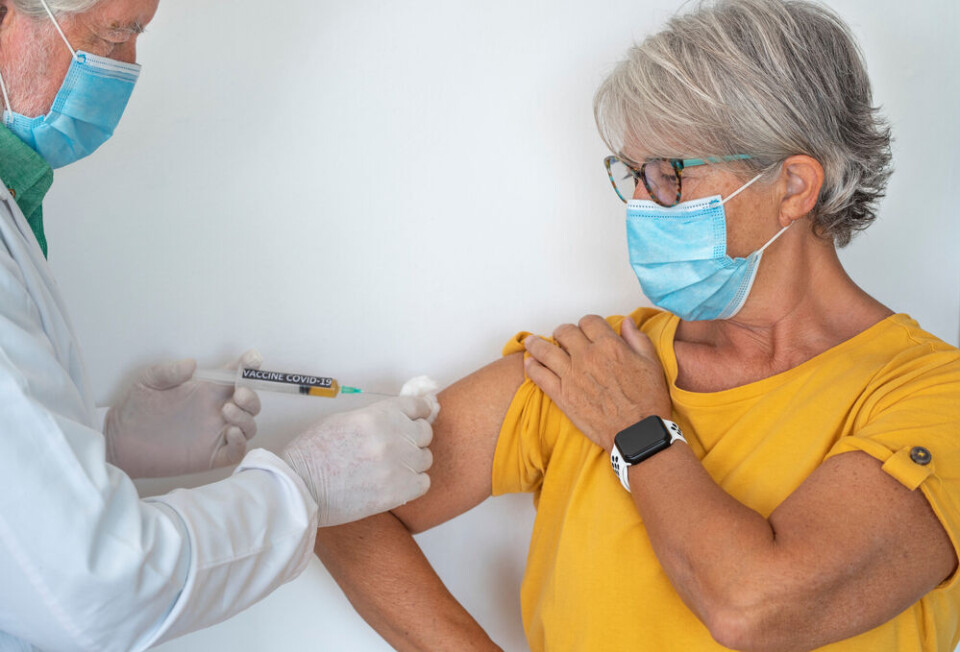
641 441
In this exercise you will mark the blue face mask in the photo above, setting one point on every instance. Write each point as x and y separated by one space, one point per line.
680 257
85 111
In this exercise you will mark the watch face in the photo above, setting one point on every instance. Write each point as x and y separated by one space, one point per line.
643 439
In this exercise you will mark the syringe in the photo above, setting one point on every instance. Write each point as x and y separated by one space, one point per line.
277 381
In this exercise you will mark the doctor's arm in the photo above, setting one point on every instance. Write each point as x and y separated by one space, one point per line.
376 561
86 564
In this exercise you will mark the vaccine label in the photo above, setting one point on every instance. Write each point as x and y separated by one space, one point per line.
299 380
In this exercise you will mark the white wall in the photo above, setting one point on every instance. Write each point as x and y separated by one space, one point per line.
374 190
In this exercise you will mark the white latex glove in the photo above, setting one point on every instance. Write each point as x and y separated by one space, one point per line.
168 424
360 463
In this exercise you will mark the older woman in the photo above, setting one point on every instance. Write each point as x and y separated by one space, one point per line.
785 448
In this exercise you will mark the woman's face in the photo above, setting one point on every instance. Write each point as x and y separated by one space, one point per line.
752 216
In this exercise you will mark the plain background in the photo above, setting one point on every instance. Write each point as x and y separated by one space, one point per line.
376 190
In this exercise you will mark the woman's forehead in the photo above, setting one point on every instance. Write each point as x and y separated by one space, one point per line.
633 150
638 148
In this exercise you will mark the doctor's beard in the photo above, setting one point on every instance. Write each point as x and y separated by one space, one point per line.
26 76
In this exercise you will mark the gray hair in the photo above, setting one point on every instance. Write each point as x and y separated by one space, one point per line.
768 78
34 8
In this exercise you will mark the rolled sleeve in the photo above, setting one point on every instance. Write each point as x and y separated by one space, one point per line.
914 431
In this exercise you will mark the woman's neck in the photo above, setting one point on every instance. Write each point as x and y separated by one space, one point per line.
802 304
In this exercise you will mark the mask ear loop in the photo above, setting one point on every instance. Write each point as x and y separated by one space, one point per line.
774 238
59 29
741 189
6 98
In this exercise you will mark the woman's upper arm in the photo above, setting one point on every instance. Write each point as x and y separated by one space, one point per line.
464 442
859 543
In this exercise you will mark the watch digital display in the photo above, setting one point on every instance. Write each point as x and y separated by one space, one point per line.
642 439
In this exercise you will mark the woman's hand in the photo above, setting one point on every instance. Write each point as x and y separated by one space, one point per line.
603 382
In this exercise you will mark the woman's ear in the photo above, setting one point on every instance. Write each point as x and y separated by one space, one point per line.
803 177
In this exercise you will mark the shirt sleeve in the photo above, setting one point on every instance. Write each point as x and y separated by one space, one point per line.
534 425
247 535
519 461
911 424
85 564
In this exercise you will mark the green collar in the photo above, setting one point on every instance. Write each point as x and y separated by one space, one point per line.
28 177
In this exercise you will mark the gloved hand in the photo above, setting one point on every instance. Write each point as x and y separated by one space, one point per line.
168 424
367 461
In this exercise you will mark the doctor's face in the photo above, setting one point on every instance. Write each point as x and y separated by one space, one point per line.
34 59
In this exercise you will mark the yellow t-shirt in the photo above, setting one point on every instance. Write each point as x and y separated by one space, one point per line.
592 581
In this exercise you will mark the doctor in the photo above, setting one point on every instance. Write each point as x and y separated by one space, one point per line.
85 564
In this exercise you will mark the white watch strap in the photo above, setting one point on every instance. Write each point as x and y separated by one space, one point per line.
622 468
675 434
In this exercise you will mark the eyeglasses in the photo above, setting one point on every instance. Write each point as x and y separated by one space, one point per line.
662 177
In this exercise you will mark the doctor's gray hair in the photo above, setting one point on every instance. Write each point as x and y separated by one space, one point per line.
34 8
768 78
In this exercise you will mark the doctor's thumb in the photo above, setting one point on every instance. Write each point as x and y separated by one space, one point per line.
169 375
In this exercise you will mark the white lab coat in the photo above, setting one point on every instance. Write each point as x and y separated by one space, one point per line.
85 564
